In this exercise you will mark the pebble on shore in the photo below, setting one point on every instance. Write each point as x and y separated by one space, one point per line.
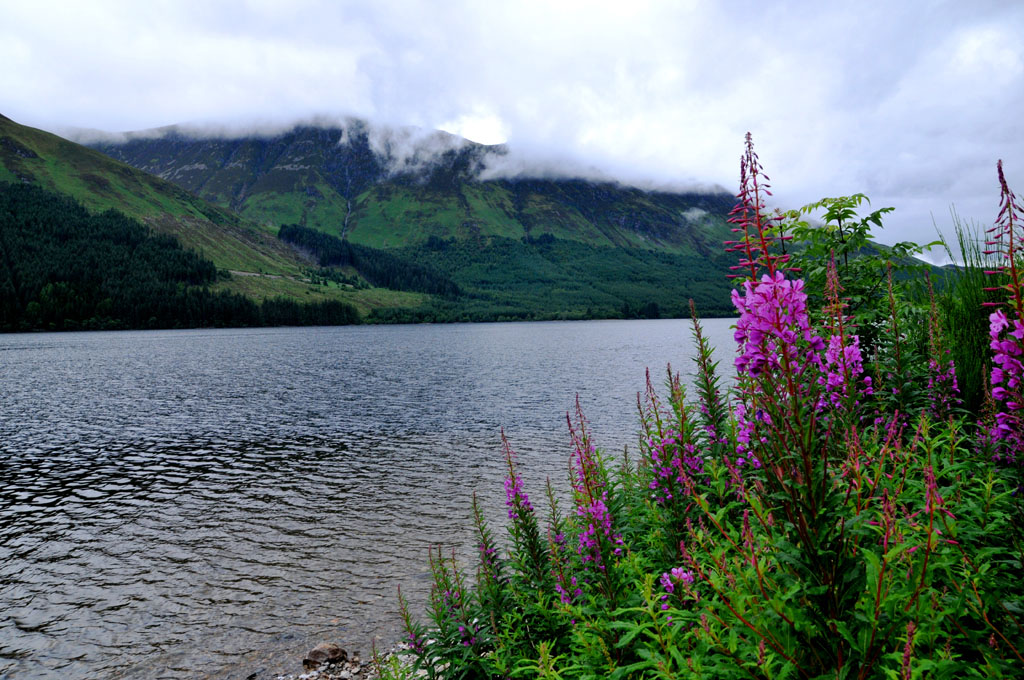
328 661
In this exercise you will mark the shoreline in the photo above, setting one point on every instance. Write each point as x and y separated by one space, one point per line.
306 661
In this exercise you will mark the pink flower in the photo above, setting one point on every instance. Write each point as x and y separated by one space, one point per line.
774 330
1007 379
843 366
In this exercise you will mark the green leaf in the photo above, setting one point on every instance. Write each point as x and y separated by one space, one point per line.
633 628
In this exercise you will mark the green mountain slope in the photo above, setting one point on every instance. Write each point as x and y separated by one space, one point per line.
389 191
56 164
544 278
263 267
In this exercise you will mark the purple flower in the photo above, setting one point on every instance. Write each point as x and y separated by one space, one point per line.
598 528
774 331
516 498
942 387
908 650
843 365
669 580
666 583
1007 378
682 575
564 595
673 467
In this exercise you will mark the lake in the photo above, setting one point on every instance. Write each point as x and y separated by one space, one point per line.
177 504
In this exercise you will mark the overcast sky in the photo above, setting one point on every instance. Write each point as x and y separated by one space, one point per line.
910 102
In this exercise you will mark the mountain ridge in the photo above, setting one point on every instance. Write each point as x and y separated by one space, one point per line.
393 189
424 234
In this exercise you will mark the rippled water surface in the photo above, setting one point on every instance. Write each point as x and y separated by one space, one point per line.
190 503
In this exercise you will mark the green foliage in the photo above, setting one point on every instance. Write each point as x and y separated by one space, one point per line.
380 268
863 265
909 536
906 540
531 279
323 275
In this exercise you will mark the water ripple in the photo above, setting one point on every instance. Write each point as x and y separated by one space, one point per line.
173 502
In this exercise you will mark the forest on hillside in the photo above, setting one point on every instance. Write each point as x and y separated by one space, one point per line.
527 279
62 268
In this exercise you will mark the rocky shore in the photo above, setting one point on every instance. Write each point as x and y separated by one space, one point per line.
328 661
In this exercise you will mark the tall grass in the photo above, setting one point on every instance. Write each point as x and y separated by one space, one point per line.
963 311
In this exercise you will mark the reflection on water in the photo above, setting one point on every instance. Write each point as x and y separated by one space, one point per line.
174 502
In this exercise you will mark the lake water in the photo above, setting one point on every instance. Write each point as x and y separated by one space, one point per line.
180 504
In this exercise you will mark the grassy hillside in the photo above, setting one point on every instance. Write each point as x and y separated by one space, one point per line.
533 279
35 156
262 266
63 267
551 278
99 183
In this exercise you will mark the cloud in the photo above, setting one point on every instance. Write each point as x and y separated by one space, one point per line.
410 149
911 102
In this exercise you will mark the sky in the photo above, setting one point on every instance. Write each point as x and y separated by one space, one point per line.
909 102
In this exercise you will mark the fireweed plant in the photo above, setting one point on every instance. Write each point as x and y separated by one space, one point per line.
1006 329
819 519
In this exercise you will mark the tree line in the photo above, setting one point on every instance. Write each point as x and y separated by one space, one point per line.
379 267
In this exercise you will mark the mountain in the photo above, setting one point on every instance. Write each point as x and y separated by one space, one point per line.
388 188
516 246
251 261
403 225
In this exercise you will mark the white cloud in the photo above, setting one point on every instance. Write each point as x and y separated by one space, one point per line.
909 102
481 126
